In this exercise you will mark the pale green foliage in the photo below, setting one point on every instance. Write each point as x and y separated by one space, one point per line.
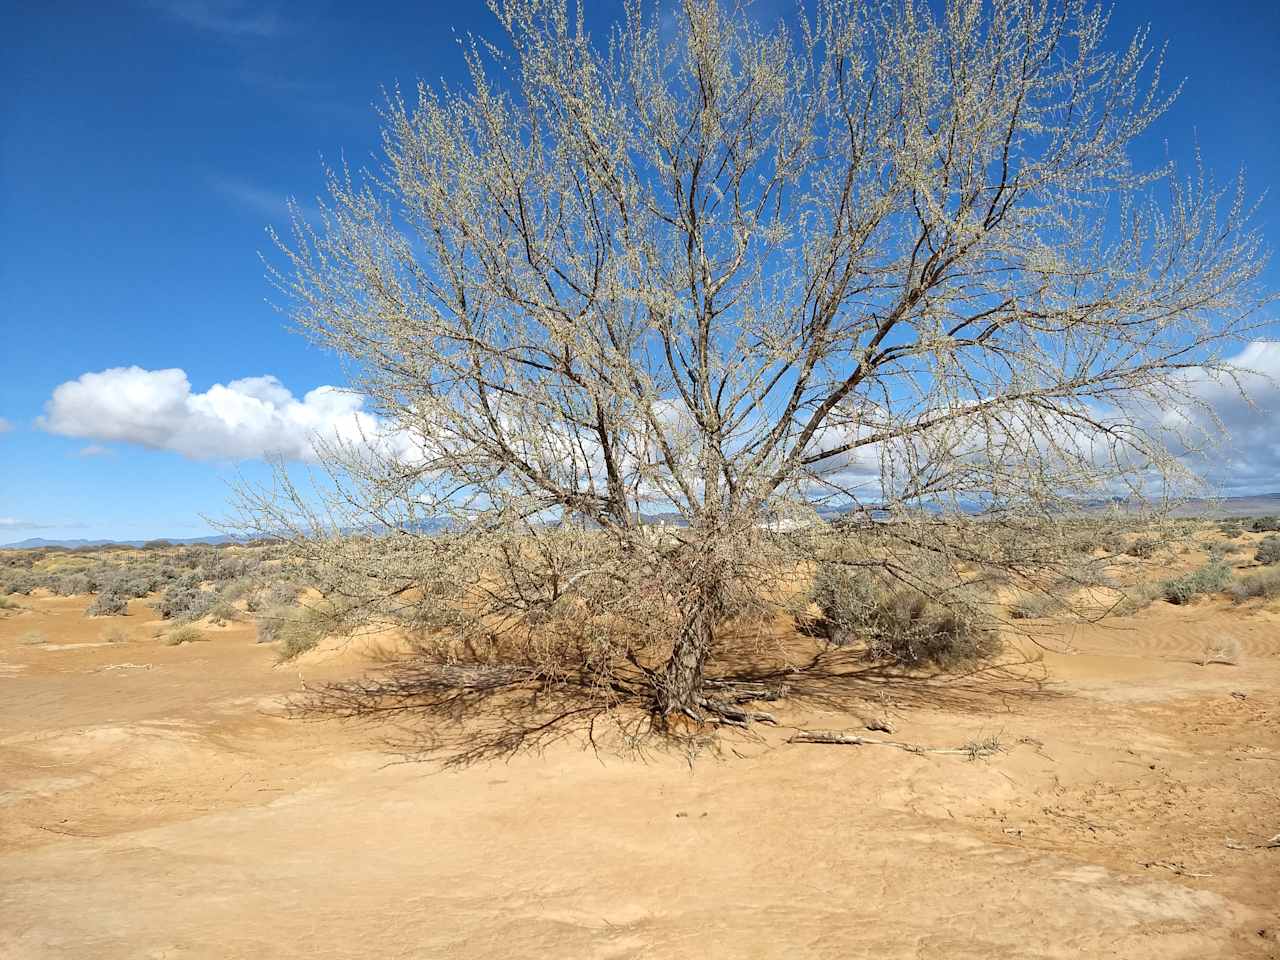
1213 577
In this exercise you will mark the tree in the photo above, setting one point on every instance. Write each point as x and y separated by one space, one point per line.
895 263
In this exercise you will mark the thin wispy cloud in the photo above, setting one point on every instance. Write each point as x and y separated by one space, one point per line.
14 523
226 17
95 450
5 425
273 204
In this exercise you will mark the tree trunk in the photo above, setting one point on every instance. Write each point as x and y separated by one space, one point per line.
680 687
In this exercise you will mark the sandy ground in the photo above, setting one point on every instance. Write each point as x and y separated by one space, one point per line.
155 803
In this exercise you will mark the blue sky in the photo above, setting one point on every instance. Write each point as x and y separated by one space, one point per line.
144 147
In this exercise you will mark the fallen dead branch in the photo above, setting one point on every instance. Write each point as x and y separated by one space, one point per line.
985 748
1173 867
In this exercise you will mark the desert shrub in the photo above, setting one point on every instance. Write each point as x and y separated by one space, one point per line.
900 624
184 601
131 583
115 635
227 568
1222 548
32 637
1138 597
8 603
221 612
1034 606
107 604
847 596
236 589
180 635
1143 547
299 628
1265 584
912 629
282 593
1231 528
1265 525
72 585
1211 578
24 582
1268 551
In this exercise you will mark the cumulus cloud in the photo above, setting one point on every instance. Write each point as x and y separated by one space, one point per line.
251 418
1246 454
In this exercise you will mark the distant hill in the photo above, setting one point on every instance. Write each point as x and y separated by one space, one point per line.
32 543
1259 504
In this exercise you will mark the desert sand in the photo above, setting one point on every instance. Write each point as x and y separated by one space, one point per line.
157 802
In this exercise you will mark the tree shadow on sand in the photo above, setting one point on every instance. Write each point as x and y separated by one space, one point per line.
457 715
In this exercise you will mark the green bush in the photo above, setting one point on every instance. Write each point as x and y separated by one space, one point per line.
1265 525
1211 578
1268 551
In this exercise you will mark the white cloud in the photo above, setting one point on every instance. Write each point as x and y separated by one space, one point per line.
245 419
5 425
1246 454
95 450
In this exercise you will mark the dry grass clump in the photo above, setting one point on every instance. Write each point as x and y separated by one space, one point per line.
115 635
1138 597
8 603
1225 650
32 638
898 623
1265 584
181 635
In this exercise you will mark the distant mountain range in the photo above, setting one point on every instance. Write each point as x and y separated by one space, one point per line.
32 543
1250 506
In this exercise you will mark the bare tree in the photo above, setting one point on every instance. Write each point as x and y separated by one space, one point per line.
725 275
